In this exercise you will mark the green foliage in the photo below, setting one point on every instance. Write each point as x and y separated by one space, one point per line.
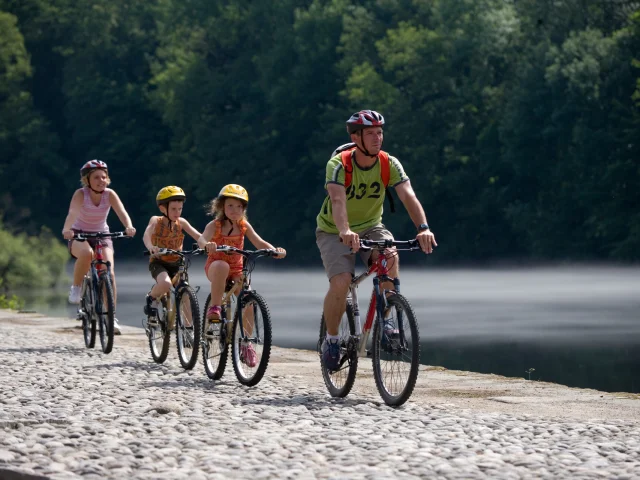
517 122
30 261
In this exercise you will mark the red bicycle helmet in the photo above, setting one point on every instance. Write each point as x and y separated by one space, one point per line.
91 165
363 119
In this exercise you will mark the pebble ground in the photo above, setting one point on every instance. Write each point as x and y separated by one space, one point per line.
69 412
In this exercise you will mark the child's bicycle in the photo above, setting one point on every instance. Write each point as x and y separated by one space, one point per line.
249 334
97 304
395 346
179 309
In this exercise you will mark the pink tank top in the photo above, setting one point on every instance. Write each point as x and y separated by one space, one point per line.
93 218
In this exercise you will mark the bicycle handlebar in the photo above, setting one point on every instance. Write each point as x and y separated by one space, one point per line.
265 252
82 237
169 251
403 245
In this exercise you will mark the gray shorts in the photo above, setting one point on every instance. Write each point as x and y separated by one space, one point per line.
337 257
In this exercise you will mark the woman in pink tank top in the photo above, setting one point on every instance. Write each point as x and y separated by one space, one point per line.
88 212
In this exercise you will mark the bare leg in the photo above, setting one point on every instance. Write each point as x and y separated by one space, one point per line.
162 286
83 253
217 275
335 301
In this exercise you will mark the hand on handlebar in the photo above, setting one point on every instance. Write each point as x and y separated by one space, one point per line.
130 231
210 247
154 250
427 241
281 253
351 240
67 234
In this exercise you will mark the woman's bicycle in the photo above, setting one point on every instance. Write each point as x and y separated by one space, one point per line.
178 309
97 304
395 345
249 334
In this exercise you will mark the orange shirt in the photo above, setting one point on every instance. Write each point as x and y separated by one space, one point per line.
167 236
233 259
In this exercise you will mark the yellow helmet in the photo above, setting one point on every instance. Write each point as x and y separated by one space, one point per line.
167 194
234 191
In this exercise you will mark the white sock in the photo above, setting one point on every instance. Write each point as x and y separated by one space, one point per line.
333 338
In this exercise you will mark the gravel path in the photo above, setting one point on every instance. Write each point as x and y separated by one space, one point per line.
69 412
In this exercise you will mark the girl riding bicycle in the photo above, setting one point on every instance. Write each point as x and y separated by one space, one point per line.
88 211
166 232
229 227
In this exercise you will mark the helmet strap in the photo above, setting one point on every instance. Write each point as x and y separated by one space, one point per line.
363 148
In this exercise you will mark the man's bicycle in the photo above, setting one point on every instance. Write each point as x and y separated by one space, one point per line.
97 304
395 345
249 334
178 309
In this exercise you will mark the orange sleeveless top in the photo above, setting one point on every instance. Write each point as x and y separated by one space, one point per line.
165 236
233 259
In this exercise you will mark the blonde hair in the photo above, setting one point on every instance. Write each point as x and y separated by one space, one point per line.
84 179
216 208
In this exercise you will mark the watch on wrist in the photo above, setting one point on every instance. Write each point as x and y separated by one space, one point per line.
422 227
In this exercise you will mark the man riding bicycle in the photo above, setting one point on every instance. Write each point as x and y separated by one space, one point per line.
355 180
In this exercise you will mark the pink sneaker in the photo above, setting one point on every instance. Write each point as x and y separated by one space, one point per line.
248 355
213 313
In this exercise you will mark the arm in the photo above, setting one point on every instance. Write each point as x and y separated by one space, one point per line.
408 198
186 226
203 240
259 243
74 210
146 238
114 199
338 196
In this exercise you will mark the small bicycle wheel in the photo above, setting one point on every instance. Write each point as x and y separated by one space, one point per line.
340 382
396 351
105 310
86 311
188 327
214 344
157 329
251 346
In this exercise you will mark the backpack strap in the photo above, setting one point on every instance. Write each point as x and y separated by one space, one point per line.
385 171
347 165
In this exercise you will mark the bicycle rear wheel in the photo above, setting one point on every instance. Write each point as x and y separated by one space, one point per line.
396 352
214 344
340 382
105 309
251 340
86 311
188 327
157 329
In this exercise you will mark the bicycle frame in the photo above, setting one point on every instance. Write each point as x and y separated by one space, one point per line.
98 267
378 300
241 287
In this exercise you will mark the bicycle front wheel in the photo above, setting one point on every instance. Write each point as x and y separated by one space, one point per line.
214 344
105 309
251 340
188 327
157 329
340 382
396 351
86 311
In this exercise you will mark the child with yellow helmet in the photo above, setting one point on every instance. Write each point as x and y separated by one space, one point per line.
229 227
165 232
